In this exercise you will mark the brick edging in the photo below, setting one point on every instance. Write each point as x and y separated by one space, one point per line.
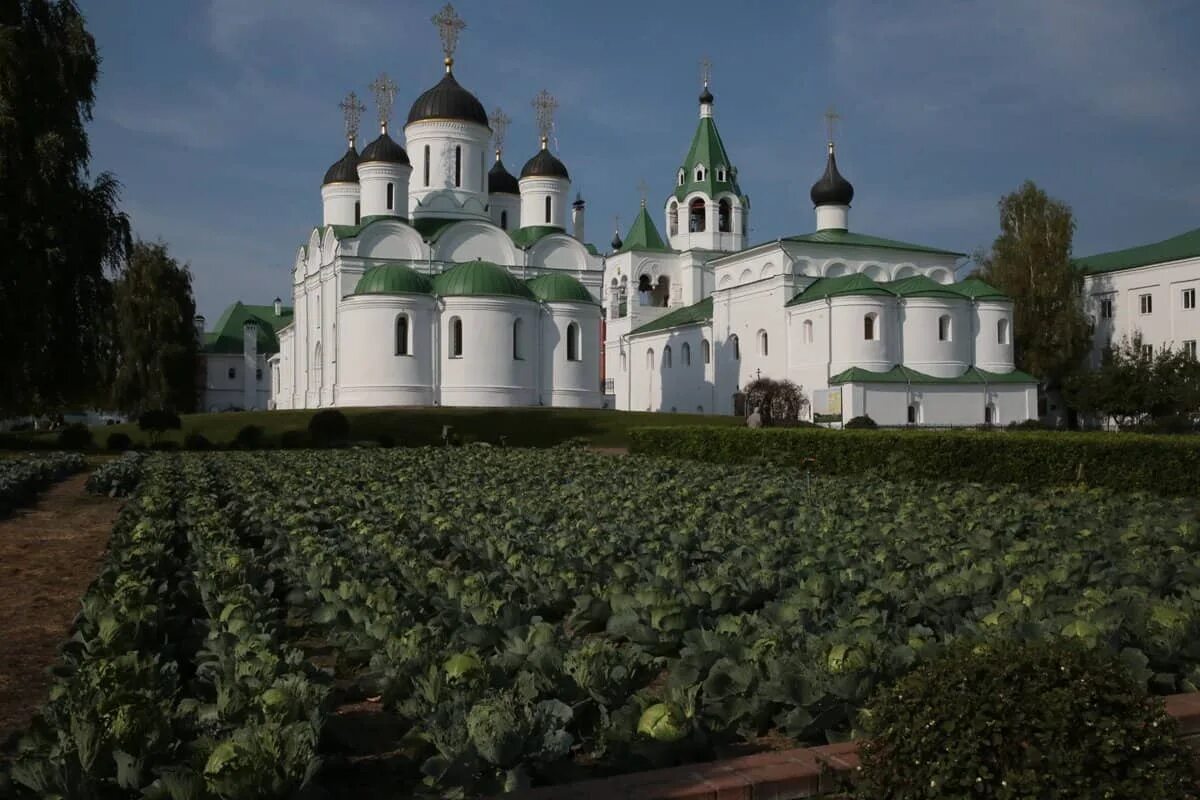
780 775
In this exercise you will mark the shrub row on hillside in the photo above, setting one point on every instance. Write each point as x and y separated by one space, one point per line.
1128 462
21 479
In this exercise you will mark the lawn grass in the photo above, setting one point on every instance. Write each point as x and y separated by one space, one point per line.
522 427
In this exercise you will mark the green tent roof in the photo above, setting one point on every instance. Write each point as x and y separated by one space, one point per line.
480 278
529 236
707 149
688 315
555 288
922 286
643 235
902 374
1177 248
822 288
226 337
846 238
393 279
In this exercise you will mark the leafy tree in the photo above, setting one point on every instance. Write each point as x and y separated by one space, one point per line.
157 421
156 360
1031 262
63 233
1135 383
778 402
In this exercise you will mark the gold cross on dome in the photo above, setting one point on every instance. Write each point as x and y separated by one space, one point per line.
499 122
705 70
544 106
643 189
385 95
831 118
352 110
449 25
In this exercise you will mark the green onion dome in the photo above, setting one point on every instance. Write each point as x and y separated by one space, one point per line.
393 279
480 278
560 289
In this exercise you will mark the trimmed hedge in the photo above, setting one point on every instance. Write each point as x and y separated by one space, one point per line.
1165 465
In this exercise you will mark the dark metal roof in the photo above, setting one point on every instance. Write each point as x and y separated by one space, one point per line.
706 96
448 100
501 181
616 241
832 188
344 170
385 148
544 165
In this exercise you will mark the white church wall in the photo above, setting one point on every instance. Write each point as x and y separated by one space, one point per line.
470 241
433 189
370 370
559 251
487 374
994 351
534 191
374 178
571 383
386 240
923 349
338 201
1169 321
939 405
670 373
505 210
847 332
225 382
762 340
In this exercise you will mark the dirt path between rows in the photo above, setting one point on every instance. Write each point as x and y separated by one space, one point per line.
49 554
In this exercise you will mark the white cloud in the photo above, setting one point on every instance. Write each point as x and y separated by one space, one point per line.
237 25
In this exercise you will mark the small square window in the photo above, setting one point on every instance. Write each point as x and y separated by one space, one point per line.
1146 303
1106 308
1189 298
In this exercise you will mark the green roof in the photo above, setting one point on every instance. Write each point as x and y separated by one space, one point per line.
227 336
922 286
393 279
643 235
902 374
688 315
480 278
1177 248
978 290
529 236
556 288
350 231
707 149
846 238
822 288
431 228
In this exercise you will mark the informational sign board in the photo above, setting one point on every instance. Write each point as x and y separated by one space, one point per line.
827 404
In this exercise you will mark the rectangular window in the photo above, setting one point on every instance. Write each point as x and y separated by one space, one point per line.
1189 298
426 165
1148 351
391 196
1189 347
457 165
1146 303
1106 308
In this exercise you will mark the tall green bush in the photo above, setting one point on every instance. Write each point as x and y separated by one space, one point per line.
1122 462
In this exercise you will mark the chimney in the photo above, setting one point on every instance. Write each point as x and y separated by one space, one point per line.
577 217
250 364
278 306
198 321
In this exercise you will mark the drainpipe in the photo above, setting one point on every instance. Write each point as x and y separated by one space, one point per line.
625 348
543 310
439 305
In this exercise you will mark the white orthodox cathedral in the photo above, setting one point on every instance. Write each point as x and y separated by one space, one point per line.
439 278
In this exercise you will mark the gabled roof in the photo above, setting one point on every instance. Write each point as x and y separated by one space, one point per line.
643 235
707 149
846 238
226 336
530 235
976 289
822 288
688 315
921 286
1177 248
902 374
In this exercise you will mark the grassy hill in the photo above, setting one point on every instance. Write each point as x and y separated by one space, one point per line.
529 427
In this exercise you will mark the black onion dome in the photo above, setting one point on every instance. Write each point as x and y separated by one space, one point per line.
544 165
385 148
832 189
501 181
448 100
616 241
344 170
706 96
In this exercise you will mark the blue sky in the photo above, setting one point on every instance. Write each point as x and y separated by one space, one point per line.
220 116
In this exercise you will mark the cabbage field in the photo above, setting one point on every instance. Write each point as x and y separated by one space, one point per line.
22 478
525 617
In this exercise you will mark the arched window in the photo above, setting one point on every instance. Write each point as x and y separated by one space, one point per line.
807 335
402 335
624 365
232 373
944 331
696 216
705 351
725 216
258 374
547 209
573 353
426 165
720 173
391 196
662 292
699 173
357 212
518 353
456 338
762 343
504 220
1002 331
737 348
686 352
650 358
458 165
681 177
914 413
667 357
673 218
870 327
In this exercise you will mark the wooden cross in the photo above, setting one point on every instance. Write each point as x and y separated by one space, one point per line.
385 95
352 110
